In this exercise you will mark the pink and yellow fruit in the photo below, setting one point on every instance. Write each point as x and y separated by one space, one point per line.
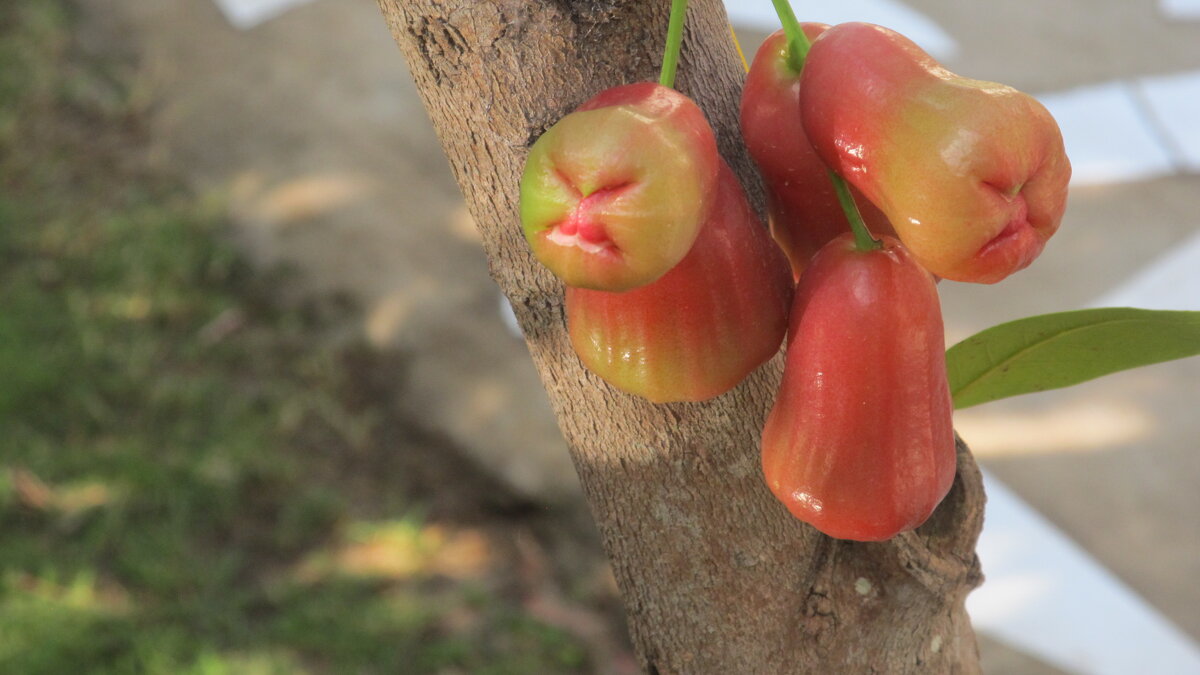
614 194
701 328
971 174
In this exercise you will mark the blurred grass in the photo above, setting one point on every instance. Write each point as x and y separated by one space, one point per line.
158 510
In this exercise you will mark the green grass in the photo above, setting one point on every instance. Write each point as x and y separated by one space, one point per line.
159 496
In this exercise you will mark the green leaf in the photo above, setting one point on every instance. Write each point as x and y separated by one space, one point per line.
1050 351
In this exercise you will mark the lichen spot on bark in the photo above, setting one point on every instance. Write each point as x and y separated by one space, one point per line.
862 586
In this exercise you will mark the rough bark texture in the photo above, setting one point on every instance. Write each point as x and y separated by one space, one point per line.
716 576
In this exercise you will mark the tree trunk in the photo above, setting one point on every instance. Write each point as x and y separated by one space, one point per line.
716 576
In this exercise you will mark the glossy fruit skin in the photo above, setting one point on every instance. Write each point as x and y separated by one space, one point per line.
705 325
860 443
804 209
971 174
614 194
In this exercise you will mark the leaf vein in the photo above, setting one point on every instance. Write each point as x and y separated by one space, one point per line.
1033 345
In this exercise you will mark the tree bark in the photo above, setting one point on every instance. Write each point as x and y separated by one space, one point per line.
716 576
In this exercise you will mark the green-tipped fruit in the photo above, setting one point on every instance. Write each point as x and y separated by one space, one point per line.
614 194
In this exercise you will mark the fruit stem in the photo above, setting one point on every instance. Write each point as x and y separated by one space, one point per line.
797 46
674 42
863 240
797 41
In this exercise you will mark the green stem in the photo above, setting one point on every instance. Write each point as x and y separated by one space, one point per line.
674 42
797 41
863 240
798 44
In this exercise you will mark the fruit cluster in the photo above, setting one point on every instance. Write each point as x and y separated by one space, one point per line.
676 292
